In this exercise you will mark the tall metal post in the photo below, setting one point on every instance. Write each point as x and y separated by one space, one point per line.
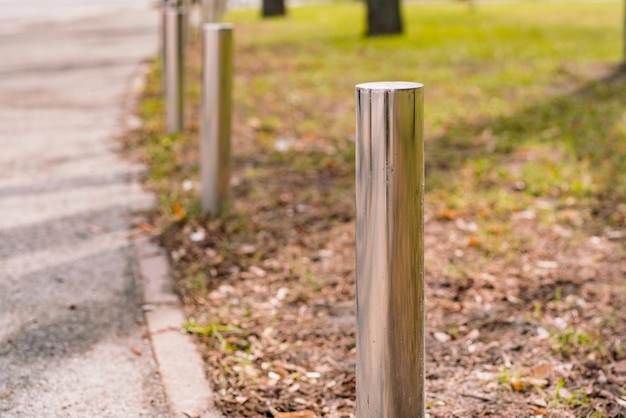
208 11
390 250
173 59
215 125
186 8
222 5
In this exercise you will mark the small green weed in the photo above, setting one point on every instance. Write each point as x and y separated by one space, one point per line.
222 334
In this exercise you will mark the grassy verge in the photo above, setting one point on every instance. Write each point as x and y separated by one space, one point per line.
526 191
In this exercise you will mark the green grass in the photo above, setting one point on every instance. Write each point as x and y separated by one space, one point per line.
513 90
516 94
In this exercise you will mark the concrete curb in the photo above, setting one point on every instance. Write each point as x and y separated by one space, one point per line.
179 364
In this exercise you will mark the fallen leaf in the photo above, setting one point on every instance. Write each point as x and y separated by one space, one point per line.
254 123
135 351
442 337
146 227
541 371
309 136
247 249
473 334
547 264
474 241
538 411
518 385
296 414
539 402
179 212
563 393
526 215
257 271
273 376
495 229
447 215
620 367
542 333
534 381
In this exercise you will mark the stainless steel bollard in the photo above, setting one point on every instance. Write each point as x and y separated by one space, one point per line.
215 125
213 10
390 250
222 5
173 58
208 11
186 6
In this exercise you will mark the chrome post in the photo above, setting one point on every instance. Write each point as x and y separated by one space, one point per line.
173 57
215 125
208 13
186 6
390 250
222 5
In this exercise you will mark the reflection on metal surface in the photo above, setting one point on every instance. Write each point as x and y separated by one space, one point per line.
173 52
390 250
215 125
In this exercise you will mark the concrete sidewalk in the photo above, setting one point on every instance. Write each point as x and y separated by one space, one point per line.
73 336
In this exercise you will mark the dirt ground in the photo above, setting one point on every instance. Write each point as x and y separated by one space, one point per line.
541 333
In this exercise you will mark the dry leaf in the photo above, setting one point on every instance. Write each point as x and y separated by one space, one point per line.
447 215
620 367
518 385
541 371
533 381
146 227
296 414
473 241
179 212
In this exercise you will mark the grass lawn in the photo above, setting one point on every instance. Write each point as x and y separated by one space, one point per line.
525 209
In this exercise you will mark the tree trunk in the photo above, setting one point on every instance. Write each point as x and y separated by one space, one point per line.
273 8
383 17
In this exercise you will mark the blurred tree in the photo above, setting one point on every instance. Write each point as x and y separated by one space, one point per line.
273 8
383 17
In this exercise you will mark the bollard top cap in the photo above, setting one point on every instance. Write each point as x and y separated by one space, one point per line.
390 85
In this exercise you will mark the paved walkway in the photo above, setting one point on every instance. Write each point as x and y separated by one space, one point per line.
72 338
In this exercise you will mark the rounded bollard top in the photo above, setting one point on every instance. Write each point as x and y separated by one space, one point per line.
389 85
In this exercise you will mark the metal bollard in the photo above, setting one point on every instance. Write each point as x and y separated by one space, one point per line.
222 5
208 13
215 125
173 57
186 7
390 250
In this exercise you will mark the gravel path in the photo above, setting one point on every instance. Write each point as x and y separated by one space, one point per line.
72 338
